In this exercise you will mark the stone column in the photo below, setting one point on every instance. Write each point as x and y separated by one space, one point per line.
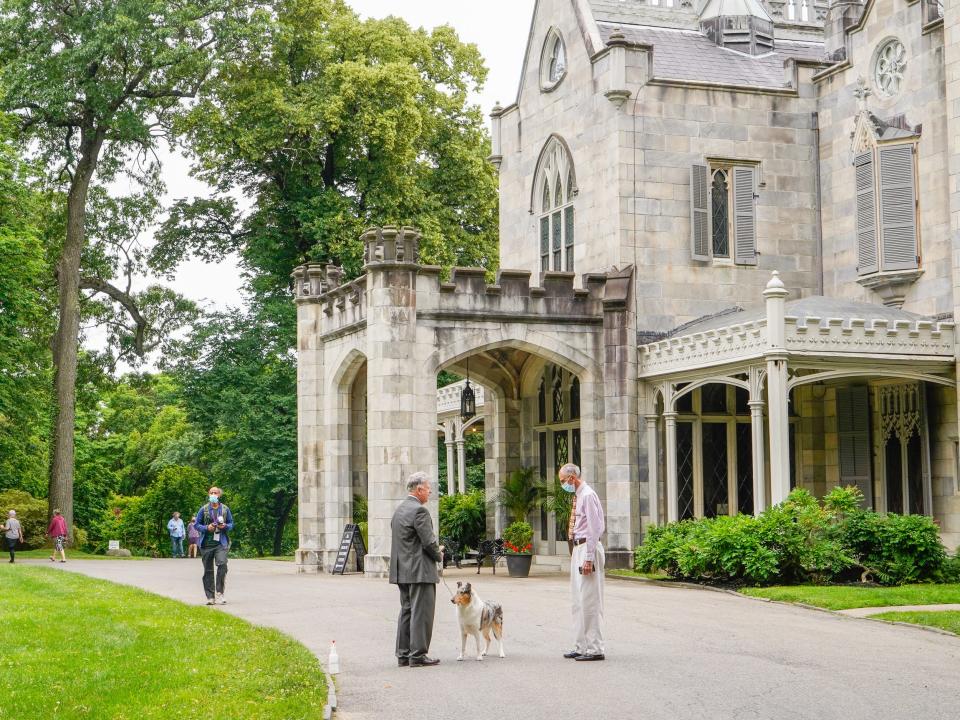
777 392
621 422
951 53
402 396
756 404
653 469
673 500
310 448
461 465
451 465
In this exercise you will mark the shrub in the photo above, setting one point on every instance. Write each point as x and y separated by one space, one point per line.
895 549
463 518
517 538
801 540
31 512
360 509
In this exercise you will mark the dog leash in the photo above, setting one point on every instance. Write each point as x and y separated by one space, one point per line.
442 579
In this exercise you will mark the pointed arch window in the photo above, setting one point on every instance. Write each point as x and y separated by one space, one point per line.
557 189
553 61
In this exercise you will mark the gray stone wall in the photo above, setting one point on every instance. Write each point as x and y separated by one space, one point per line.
921 102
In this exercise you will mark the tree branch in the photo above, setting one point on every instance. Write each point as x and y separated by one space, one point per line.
126 301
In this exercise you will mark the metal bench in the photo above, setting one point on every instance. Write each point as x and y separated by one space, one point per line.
493 549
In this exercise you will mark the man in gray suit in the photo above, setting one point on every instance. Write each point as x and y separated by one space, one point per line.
414 555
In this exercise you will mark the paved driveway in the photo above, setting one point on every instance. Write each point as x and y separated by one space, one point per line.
671 652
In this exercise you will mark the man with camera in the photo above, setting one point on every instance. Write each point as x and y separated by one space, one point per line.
214 521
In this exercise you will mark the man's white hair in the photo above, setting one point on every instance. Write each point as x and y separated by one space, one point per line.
416 480
570 469
11 513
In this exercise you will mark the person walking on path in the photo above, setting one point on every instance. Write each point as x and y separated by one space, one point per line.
193 537
57 530
13 532
214 521
414 554
177 531
586 568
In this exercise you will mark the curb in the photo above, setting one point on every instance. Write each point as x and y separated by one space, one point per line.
804 606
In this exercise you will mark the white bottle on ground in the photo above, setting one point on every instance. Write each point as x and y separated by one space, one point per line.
333 661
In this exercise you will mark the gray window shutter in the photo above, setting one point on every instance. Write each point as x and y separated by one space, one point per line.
898 208
853 429
866 214
699 212
744 216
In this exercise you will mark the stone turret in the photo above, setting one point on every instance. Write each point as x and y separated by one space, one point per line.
840 16
741 25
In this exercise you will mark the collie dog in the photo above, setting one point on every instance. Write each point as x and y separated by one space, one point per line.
476 616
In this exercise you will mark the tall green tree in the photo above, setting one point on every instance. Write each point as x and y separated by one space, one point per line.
94 83
332 125
24 321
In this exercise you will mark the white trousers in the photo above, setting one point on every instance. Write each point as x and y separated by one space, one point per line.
586 591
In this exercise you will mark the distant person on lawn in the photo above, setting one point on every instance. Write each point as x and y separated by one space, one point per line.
215 521
13 532
58 531
177 531
193 537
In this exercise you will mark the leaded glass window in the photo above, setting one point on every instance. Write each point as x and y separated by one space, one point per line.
555 207
557 395
575 399
720 204
542 402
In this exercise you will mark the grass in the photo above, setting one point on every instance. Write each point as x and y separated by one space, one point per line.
75 647
45 553
945 620
843 597
635 573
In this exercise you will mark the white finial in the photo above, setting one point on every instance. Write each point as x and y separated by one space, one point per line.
775 281
775 288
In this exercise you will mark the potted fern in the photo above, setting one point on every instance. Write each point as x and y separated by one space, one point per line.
518 548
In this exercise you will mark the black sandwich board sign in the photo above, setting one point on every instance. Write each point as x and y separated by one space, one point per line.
351 538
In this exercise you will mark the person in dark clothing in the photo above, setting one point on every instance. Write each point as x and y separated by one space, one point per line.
214 521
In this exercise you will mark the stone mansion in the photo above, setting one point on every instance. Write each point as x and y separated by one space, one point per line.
730 234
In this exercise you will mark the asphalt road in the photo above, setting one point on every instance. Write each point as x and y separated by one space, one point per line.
671 652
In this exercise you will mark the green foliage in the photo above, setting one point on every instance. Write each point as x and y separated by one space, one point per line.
360 509
521 493
31 512
333 124
800 540
950 570
517 537
559 502
464 518
896 549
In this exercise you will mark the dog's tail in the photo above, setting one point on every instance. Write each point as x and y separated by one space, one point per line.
498 619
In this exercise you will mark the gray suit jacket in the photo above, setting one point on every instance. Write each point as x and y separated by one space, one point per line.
414 552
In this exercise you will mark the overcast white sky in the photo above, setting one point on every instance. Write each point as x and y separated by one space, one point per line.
499 29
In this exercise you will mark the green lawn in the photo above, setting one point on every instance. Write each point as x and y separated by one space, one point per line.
44 553
843 597
74 647
634 573
945 620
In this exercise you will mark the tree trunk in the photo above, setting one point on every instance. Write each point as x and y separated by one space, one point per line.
60 491
285 509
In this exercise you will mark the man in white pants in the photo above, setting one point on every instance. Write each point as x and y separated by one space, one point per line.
586 568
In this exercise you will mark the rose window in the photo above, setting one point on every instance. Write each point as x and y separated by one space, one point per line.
890 65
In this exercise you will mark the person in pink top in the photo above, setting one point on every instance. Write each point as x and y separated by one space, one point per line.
58 531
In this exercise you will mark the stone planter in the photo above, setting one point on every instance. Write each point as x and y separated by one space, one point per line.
518 565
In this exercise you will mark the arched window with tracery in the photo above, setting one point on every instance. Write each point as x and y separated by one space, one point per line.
555 187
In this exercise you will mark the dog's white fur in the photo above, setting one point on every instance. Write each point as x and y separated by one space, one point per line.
470 617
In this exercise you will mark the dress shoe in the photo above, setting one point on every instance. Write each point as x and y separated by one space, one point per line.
588 658
572 655
403 662
424 662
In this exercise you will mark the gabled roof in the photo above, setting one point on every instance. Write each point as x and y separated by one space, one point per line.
733 8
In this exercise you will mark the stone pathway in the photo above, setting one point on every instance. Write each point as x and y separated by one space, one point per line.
671 652
868 611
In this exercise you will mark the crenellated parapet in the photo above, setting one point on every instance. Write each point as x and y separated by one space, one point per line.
390 246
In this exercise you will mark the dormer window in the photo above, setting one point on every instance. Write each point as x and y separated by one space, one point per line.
553 64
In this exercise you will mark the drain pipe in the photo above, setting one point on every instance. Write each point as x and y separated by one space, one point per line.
818 229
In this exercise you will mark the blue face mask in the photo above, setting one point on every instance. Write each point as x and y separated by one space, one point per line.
568 487
215 499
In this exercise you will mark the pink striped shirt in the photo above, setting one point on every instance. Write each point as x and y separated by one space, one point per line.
589 522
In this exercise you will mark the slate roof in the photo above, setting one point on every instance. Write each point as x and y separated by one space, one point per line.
690 55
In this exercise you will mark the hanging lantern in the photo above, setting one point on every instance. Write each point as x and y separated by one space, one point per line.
468 402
